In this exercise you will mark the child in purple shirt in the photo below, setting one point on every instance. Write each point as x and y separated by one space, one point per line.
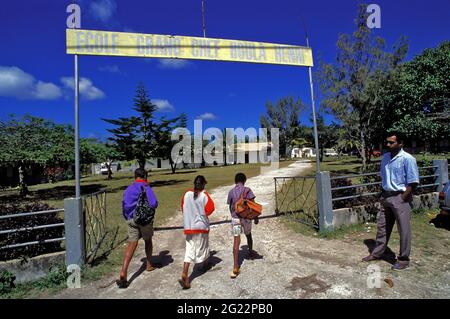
240 225
135 231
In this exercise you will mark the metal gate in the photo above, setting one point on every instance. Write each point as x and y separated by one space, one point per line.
99 240
295 198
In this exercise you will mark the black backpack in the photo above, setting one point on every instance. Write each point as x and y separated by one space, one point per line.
143 214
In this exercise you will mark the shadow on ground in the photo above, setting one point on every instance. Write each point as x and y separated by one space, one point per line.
198 270
388 256
244 255
56 193
160 261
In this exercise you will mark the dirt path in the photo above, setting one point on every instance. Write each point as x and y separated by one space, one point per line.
292 265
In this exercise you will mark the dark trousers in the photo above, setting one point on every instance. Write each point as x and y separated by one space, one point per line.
394 209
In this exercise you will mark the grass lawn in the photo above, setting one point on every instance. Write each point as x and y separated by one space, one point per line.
168 189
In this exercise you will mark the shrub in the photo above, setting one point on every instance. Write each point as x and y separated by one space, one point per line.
341 182
56 276
367 201
6 282
54 174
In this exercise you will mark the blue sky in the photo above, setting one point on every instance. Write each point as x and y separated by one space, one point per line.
35 71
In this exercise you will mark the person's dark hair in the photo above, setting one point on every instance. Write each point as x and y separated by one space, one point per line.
240 178
141 173
399 135
199 185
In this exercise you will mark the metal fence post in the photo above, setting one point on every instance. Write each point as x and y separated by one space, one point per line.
442 171
324 202
276 197
74 228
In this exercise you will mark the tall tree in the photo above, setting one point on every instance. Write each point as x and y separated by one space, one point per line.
347 85
143 136
284 116
135 136
164 138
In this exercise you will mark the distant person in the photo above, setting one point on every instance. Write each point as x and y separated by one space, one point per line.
135 232
399 177
240 225
196 206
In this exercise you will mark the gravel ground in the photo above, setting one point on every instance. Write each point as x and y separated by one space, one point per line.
290 265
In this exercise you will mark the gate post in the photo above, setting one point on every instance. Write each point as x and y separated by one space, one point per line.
74 231
324 202
442 171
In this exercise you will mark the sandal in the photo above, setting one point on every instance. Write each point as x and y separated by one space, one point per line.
122 283
183 283
235 273
150 268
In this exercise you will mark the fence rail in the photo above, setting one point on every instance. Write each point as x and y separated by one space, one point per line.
37 242
317 204
436 175
30 228
31 213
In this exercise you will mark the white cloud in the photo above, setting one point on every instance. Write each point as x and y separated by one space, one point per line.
173 63
87 90
102 10
110 68
46 91
207 116
14 82
163 105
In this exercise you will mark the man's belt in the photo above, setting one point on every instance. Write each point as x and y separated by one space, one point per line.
390 193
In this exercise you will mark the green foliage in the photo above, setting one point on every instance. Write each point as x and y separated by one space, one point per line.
328 135
418 126
55 279
57 276
93 151
143 136
419 211
165 144
36 140
284 116
421 84
6 281
30 140
417 92
342 231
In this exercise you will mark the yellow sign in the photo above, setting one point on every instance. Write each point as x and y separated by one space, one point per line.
90 42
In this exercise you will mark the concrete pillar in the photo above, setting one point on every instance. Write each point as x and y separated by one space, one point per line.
324 203
74 231
442 171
